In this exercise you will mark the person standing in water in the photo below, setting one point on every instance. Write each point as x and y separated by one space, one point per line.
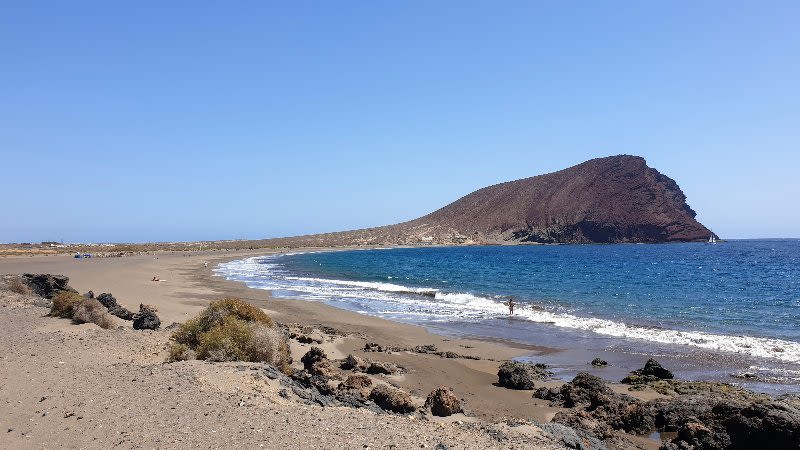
511 306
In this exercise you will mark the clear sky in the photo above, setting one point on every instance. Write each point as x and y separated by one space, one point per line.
214 120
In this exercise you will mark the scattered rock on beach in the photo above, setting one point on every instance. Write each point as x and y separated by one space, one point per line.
382 368
113 307
391 399
47 285
652 371
597 362
443 402
572 438
518 375
147 320
312 356
352 362
359 383
428 348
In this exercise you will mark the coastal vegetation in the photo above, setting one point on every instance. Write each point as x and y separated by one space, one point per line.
71 305
231 330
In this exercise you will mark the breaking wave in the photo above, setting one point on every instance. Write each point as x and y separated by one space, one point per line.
392 300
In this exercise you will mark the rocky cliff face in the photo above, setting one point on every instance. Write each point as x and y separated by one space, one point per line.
605 200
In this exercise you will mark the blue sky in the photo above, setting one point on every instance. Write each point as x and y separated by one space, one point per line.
204 120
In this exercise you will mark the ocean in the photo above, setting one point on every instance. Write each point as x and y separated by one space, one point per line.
726 312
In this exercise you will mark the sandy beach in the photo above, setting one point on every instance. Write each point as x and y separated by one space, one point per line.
83 387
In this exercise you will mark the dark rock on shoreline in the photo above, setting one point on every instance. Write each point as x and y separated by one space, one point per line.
517 375
597 362
47 285
708 416
652 371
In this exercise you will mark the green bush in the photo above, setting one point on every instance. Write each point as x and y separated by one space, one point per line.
231 330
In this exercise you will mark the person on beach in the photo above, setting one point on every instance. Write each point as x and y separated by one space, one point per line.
511 305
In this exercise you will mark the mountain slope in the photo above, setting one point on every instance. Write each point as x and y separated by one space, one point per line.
604 200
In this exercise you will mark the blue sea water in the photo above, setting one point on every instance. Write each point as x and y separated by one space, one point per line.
731 307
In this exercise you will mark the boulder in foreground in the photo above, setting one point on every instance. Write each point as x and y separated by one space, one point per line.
443 402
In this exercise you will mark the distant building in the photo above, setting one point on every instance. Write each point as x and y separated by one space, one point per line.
49 243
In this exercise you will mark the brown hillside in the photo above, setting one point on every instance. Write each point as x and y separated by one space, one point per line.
604 200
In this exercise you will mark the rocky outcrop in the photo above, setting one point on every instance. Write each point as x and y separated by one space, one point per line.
352 362
113 307
358 383
604 200
652 371
443 402
709 423
316 362
393 400
47 285
383 368
707 418
517 375
146 320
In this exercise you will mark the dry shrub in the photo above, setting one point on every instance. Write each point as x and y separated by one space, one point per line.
89 310
232 330
181 352
18 287
269 344
64 304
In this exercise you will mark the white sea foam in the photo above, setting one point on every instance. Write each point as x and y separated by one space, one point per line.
395 300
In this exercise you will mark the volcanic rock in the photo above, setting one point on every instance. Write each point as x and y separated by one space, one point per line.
604 200
517 375
146 320
47 285
359 383
352 362
443 402
652 371
391 399
382 368
114 308
313 356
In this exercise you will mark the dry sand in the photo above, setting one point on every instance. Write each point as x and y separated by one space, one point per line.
105 388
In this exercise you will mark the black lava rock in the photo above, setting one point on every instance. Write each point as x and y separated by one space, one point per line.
146 321
517 375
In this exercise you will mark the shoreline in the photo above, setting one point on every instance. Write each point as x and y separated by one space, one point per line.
116 361
569 350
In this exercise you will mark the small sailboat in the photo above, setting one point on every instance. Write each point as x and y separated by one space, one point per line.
712 239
